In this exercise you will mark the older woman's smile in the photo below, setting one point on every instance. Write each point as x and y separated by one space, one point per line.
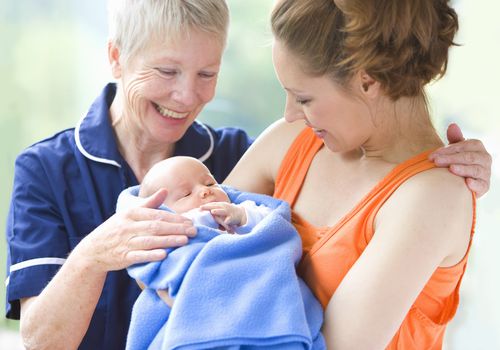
169 113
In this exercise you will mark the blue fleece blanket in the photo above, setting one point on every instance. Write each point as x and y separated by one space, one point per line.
230 291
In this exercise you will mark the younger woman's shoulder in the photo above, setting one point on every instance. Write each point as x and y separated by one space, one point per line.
435 191
276 140
438 183
281 133
264 157
437 207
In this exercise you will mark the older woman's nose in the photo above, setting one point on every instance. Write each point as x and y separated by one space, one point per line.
185 92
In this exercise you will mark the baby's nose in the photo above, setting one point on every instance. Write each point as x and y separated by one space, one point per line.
205 192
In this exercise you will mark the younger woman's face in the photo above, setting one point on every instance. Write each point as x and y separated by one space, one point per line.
335 115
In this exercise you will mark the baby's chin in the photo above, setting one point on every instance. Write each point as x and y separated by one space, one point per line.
226 199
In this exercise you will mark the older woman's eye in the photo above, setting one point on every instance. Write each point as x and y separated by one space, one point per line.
207 75
167 72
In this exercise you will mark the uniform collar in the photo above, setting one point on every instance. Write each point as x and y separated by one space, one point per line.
197 142
95 138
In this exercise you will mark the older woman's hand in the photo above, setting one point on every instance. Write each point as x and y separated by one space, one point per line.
133 236
466 158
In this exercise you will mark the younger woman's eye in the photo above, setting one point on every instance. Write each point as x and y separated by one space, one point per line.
302 101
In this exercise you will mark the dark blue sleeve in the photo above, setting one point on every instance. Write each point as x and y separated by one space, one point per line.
230 145
36 239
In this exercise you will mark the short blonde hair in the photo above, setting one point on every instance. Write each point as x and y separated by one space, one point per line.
135 23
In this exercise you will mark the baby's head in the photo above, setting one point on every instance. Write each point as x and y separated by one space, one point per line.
188 181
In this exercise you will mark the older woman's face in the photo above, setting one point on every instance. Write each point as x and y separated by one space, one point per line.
167 85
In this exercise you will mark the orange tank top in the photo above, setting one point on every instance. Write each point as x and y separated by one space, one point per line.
329 252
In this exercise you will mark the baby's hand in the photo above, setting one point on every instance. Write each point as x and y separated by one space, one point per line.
227 215
163 294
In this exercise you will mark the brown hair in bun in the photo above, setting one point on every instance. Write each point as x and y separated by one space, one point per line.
403 44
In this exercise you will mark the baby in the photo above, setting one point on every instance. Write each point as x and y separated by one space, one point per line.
214 272
194 193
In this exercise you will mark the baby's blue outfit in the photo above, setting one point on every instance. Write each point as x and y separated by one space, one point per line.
230 291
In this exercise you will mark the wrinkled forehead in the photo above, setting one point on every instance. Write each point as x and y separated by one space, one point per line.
184 51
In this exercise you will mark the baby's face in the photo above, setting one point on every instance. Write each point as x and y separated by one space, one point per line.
191 186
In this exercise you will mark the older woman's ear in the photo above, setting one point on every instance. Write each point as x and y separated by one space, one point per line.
114 60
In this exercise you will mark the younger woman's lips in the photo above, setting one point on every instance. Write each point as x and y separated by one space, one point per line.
319 133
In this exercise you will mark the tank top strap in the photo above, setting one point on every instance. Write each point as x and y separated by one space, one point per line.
392 181
295 164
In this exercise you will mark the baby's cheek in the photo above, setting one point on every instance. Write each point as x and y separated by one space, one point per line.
177 207
223 197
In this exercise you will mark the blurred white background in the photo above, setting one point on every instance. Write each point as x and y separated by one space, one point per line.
469 94
53 64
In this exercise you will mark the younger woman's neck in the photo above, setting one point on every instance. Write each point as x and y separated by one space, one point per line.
403 129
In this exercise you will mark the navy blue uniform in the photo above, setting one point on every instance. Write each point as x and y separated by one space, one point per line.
67 185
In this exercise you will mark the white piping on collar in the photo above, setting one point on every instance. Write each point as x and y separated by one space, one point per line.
87 154
79 145
212 143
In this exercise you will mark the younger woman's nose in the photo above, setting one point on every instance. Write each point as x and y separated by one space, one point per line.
292 112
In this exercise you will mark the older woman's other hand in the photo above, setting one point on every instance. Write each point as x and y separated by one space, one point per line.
466 158
134 236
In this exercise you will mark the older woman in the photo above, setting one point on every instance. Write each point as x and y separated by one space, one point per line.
165 56
166 62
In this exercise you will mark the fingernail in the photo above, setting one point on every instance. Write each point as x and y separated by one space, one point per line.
191 230
439 160
455 168
179 240
188 222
